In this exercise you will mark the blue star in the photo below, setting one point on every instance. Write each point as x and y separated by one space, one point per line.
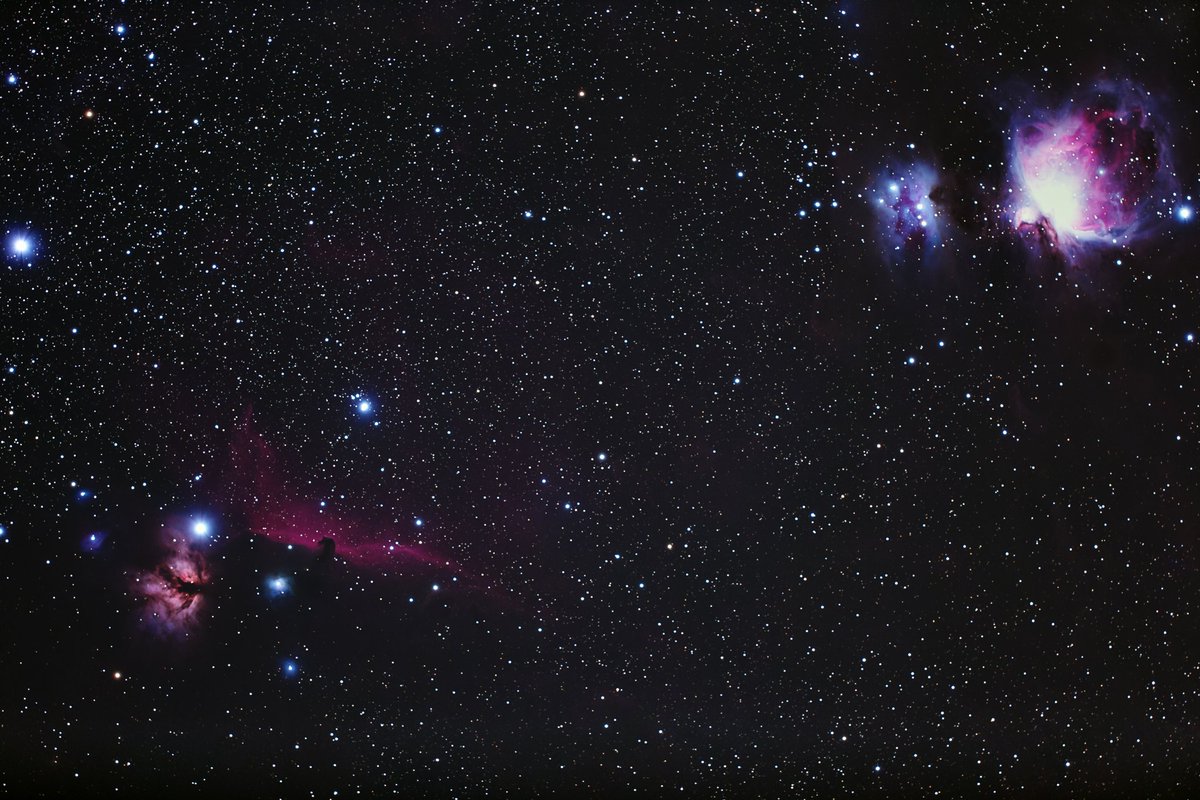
290 668
12 79
1184 213
21 246
119 29
278 586
201 528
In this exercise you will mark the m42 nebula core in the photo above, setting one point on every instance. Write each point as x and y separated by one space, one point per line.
1087 175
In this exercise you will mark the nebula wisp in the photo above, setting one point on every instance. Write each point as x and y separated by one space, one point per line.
902 199
172 592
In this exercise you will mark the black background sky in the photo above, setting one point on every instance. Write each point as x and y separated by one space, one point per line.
822 555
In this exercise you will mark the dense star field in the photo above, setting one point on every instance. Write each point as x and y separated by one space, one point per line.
509 399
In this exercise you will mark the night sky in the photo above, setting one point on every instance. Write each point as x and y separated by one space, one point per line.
523 399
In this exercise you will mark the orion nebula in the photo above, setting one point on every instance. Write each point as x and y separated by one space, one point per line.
1089 174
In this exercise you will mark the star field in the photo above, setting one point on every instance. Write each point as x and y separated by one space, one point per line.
490 399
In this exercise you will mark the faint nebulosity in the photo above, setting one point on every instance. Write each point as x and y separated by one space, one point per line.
527 400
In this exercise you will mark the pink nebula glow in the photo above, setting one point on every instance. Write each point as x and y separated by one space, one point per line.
1087 175
257 490
173 592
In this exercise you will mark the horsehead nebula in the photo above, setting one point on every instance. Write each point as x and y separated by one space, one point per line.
1088 175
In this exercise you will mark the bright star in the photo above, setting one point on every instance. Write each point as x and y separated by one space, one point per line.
119 29
277 586
1185 213
12 79
201 528
20 245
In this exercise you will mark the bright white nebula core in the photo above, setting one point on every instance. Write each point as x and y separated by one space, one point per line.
1085 175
